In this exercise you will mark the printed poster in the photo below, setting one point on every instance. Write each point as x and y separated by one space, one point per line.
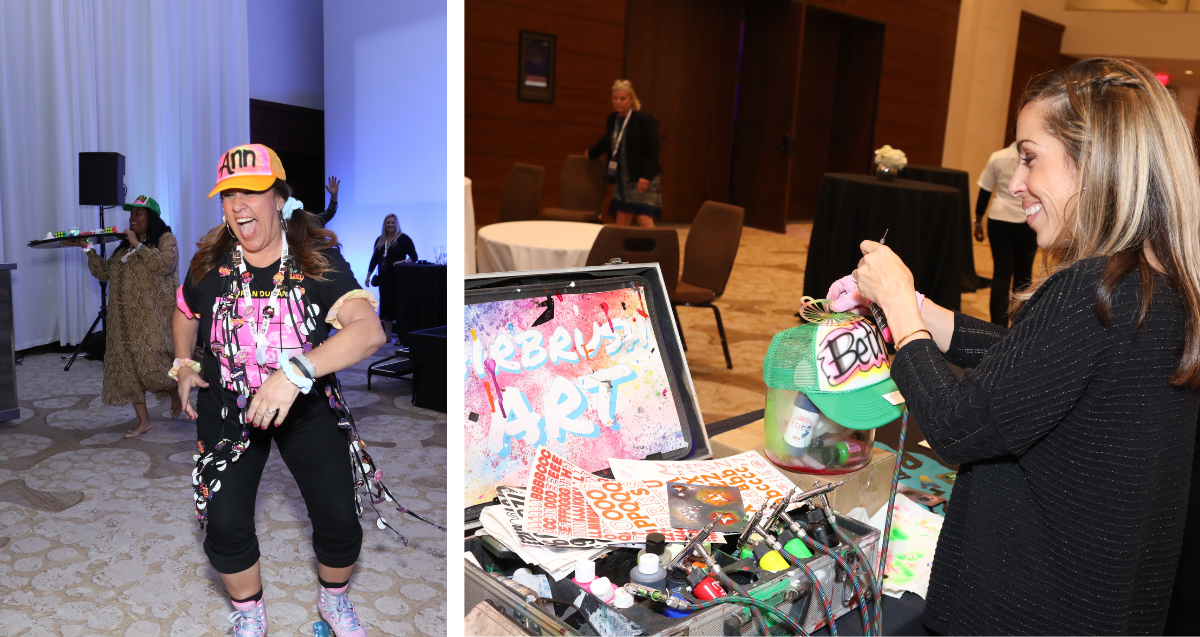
580 374
758 480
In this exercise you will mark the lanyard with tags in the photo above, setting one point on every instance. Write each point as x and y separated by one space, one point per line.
259 331
612 161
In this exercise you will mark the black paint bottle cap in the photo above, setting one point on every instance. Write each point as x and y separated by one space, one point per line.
656 543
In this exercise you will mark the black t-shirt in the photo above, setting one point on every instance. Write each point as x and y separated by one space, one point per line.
285 331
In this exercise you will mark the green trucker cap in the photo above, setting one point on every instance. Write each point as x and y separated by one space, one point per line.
840 362
143 201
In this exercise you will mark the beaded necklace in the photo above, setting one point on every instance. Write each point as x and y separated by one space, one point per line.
303 315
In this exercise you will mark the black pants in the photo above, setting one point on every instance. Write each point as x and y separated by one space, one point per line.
317 454
1013 247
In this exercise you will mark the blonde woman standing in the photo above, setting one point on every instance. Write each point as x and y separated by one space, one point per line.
631 143
1075 427
392 247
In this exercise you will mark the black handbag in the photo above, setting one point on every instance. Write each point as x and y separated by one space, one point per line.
375 281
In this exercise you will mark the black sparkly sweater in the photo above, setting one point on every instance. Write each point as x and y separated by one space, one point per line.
1075 453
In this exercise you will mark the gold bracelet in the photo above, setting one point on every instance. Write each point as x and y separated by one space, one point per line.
900 341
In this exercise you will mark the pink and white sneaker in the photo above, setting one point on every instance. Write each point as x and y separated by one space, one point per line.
338 612
249 619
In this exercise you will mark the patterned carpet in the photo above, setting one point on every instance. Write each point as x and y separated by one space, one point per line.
764 292
98 536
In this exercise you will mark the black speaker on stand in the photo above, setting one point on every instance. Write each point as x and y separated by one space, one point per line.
101 183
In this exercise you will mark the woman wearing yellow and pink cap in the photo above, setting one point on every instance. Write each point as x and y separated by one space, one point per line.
258 294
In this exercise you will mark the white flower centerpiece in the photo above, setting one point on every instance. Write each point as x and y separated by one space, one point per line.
889 162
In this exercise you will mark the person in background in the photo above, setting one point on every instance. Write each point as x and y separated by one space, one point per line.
392 248
631 143
323 218
1014 244
142 274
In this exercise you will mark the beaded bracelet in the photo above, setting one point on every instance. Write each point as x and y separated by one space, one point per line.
180 363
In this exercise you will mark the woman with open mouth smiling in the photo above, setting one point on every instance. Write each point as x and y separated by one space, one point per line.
1075 427
259 292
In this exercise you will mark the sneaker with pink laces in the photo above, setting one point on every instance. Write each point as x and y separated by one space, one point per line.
337 610
249 619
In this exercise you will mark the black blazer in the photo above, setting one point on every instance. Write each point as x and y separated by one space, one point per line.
640 142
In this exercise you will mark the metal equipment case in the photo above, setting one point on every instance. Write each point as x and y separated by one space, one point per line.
789 590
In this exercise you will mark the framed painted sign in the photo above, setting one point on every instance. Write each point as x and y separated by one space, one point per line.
535 75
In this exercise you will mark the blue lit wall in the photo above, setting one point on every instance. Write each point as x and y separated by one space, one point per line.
385 121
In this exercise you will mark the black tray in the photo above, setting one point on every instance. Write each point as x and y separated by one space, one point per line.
107 237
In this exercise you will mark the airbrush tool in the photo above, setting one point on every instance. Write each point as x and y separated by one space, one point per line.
877 312
687 549
746 533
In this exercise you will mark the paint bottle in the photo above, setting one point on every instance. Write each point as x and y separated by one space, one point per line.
708 589
839 452
656 543
603 589
770 560
622 599
676 613
585 573
819 528
648 572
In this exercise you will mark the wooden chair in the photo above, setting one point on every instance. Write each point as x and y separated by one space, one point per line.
580 191
639 245
521 195
708 255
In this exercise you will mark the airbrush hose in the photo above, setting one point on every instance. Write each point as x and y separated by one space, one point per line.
887 526
661 596
868 568
714 569
820 590
815 547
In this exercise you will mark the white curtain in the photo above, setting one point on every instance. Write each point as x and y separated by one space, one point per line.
163 82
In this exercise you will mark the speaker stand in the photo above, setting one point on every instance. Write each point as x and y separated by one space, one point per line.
103 313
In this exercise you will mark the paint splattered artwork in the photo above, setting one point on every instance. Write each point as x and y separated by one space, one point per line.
580 373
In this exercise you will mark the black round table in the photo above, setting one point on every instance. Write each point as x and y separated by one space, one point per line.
961 181
923 222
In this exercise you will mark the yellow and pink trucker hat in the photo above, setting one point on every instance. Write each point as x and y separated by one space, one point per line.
250 166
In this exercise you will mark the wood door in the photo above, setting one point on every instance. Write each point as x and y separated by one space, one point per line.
681 56
764 128
835 113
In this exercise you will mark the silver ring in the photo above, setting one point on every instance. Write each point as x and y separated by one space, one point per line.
272 411
852 278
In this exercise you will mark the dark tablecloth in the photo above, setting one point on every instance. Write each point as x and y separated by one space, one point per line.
960 181
420 298
923 223
427 350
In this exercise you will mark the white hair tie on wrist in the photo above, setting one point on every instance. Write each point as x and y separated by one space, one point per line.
291 206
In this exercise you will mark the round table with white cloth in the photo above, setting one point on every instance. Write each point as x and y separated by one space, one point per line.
534 245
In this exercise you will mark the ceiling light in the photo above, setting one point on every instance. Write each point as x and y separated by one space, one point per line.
1187 72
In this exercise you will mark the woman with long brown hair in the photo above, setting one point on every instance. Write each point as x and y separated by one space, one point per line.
1075 427
259 292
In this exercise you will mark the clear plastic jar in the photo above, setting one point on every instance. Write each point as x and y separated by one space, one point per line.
799 437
